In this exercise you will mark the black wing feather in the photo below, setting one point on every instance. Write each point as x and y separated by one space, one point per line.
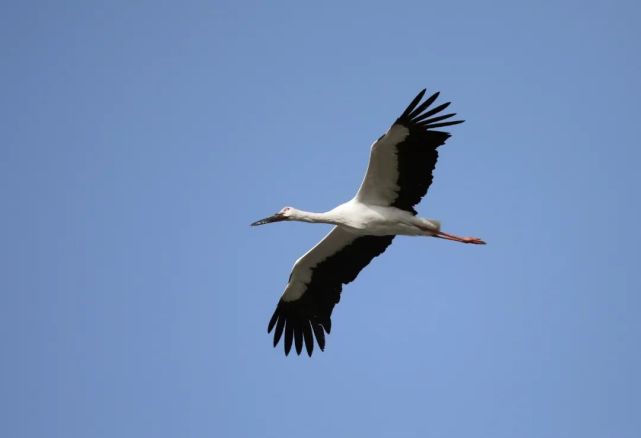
417 154
312 311
279 329
289 334
440 125
434 119
309 339
413 103
422 107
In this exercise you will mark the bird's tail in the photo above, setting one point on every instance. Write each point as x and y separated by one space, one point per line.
433 223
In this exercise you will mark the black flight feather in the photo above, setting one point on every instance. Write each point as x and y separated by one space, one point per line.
417 154
413 103
323 293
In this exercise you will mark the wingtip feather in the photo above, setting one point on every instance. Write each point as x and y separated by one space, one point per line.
298 339
320 335
272 321
435 110
279 330
413 103
424 120
289 335
440 125
309 338
422 107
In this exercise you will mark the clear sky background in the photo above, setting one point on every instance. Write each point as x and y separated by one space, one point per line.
139 139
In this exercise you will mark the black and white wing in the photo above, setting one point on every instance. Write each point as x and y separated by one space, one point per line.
401 161
315 284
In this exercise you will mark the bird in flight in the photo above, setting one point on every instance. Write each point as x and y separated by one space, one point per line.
398 176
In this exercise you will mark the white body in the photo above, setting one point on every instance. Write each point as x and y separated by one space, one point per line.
377 220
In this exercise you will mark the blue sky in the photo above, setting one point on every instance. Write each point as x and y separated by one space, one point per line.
139 140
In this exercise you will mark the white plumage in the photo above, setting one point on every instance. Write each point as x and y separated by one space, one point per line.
398 176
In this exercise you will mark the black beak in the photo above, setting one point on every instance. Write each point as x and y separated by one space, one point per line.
268 220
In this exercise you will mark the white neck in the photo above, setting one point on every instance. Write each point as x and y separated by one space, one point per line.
308 216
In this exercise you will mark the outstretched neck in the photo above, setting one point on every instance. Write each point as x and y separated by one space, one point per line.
308 216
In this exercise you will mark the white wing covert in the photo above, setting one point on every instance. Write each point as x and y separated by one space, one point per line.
402 160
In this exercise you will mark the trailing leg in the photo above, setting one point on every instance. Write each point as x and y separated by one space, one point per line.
443 235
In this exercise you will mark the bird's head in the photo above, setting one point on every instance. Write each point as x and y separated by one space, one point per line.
286 213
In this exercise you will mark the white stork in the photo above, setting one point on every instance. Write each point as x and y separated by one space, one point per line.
399 174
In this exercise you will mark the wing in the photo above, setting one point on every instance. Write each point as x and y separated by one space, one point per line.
315 285
402 160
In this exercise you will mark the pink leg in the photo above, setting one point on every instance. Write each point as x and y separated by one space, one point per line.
475 240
